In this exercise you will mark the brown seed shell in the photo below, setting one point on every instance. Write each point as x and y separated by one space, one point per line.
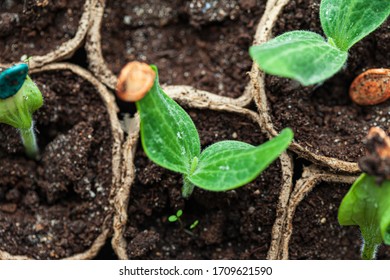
382 150
371 87
377 160
134 81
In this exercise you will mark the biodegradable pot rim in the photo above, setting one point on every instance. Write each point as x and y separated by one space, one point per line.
117 138
311 177
128 175
69 47
257 84
100 69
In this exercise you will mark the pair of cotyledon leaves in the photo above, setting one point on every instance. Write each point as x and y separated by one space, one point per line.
306 56
170 139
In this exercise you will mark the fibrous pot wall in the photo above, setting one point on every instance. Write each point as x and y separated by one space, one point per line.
151 194
328 126
200 47
312 230
60 206
42 31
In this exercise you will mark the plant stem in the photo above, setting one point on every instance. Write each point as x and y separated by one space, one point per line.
369 250
187 189
30 142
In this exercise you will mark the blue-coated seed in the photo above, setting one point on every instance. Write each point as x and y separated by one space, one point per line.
12 79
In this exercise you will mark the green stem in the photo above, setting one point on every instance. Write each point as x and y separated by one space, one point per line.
30 142
187 189
369 250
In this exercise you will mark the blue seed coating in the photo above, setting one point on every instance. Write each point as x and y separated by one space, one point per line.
12 79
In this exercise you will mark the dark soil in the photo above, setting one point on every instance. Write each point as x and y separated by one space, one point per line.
232 225
56 207
323 117
199 43
35 27
317 233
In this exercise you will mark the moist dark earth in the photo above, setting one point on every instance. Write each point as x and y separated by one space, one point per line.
232 225
199 43
56 207
323 117
317 233
35 27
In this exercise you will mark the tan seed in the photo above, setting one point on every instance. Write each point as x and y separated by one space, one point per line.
134 81
371 87
380 142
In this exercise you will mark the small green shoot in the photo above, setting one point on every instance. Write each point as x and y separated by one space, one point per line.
194 224
177 218
309 58
367 205
19 99
170 139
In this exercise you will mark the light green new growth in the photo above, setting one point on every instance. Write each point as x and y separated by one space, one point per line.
194 224
170 139
367 205
17 111
176 217
306 56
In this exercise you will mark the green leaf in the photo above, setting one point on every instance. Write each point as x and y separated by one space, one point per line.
179 213
168 135
194 224
230 164
300 55
367 205
172 218
348 21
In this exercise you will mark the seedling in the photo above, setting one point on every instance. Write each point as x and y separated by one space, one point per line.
371 87
170 139
19 99
309 58
367 204
177 218
194 224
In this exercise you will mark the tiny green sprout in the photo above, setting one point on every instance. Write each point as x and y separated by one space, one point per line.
367 204
170 139
176 217
19 99
27 59
194 224
309 58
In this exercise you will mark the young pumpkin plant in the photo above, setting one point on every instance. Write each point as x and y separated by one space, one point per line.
308 57
19 99
170 139
367 204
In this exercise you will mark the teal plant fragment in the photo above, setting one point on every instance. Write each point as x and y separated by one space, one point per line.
12 79
19 99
